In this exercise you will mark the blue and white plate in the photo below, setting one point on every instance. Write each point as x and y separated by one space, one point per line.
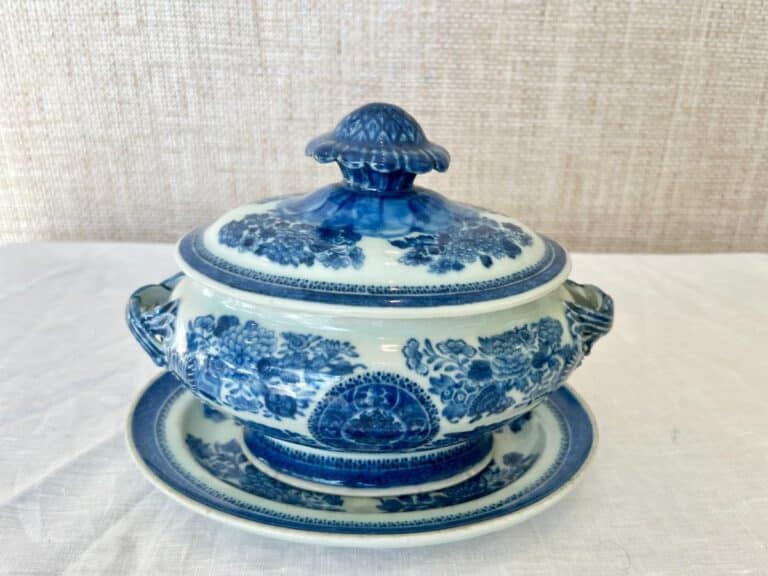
194 454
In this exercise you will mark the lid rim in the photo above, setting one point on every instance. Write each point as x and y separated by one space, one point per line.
194 256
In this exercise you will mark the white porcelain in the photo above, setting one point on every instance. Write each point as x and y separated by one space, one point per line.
193 453
372 334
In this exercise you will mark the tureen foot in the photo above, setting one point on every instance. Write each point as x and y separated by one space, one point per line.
366 474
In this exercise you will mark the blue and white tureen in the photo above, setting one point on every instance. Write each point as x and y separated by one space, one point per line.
370 336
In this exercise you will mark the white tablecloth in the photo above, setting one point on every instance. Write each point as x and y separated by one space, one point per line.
679 389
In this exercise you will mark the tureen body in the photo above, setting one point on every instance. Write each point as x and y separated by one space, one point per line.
372 334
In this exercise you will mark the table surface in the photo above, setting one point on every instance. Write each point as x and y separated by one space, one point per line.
679 484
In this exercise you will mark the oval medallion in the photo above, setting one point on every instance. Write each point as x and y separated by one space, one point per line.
375 412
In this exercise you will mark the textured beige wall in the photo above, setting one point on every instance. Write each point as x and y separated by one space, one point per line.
610 125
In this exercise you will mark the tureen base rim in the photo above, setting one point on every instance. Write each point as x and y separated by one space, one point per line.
303 484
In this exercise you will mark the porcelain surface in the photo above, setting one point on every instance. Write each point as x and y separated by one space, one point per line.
347 402
370 335
244 251
195 453
373 239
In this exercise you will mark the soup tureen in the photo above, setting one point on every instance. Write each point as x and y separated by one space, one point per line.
371 335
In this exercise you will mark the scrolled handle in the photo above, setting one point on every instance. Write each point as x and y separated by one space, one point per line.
151 316
589 312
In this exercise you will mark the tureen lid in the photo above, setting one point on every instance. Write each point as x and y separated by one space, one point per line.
374 239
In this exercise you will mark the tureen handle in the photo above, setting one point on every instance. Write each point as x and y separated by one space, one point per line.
589 312
151 317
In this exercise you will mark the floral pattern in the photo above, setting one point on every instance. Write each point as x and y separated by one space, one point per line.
286 239
470 239
289 241
248 367
473 382
159 322
212 414
227 462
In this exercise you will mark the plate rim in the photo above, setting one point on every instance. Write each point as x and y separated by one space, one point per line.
335 539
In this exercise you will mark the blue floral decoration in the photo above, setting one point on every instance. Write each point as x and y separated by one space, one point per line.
472 382
286 239
380 149
251 368
227 462
212 414
468 240
289 241
517 424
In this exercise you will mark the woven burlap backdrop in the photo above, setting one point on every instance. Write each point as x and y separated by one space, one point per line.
611 125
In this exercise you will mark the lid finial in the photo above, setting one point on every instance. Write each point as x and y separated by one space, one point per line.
379 148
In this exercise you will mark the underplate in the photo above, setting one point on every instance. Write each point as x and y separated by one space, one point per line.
194 453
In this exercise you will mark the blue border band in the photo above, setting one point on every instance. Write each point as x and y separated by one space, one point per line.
194 253
356 472
148 434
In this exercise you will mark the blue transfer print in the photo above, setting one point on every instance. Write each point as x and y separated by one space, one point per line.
212 414
248 367
256 429
160 322
228 463
379 139
157 324
380 149
588 323
195 255
151 317
390 216
429 230
468 240
473 382
356 469
517 424
375 411
495 477
289 241
149 433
